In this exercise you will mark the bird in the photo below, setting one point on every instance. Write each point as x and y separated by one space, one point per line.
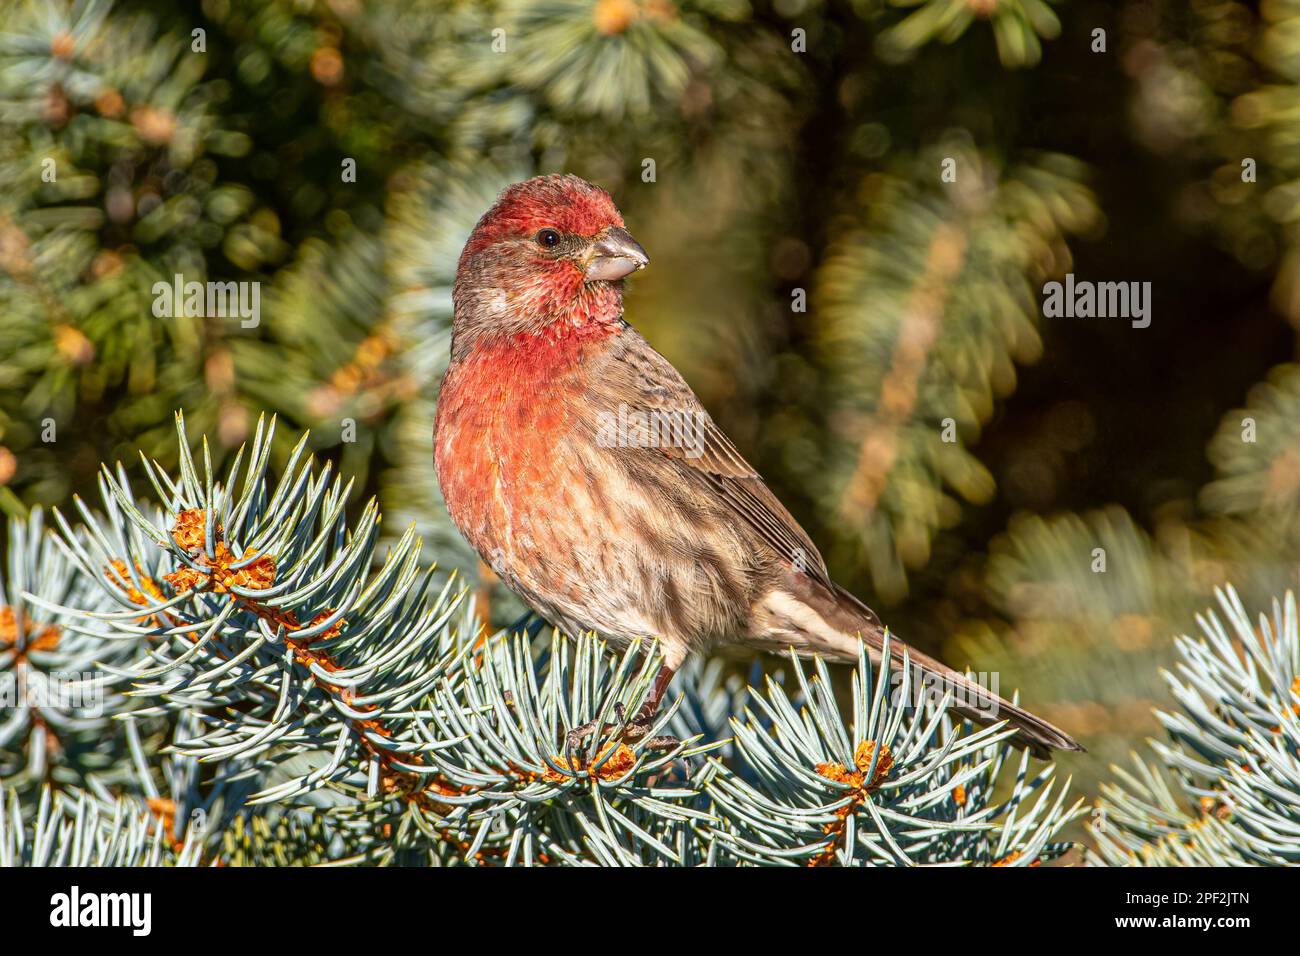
580 465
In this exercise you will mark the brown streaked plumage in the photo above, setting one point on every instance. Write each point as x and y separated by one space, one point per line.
585 471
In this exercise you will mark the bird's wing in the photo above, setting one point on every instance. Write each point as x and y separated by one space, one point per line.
637 379
634 377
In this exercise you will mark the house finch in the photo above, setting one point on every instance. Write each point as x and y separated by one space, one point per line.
586 473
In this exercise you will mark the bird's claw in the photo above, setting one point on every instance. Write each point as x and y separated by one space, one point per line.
574 738
628 731
637 728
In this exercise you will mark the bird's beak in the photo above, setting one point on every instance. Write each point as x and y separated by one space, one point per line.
613 255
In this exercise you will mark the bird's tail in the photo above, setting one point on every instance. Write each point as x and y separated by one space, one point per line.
847 619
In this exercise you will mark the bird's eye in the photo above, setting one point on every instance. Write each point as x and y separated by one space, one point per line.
548 238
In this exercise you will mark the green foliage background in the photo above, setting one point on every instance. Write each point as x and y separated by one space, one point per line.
797 148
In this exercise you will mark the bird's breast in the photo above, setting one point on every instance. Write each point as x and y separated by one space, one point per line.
510 448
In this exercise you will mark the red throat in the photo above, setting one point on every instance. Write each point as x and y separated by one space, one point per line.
518 383
528 360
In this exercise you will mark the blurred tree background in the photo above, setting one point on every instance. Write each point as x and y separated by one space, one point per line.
843 309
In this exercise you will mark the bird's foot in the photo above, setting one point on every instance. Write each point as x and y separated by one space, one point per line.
574 739
628 731
641 725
